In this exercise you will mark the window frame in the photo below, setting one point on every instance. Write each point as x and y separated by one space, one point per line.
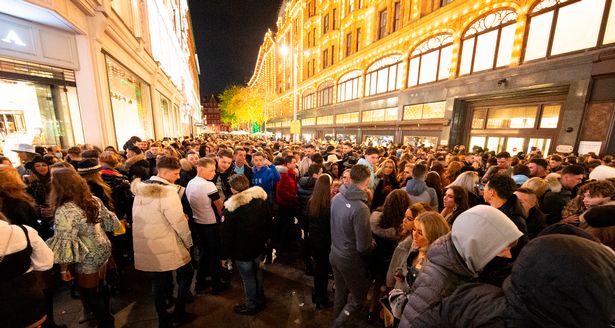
376 72
556 8
308 98
325 24
475 36
328 90
396 16
382 23
438 49
341 85
348 44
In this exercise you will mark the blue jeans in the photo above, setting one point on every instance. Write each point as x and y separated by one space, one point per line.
252 277
162 288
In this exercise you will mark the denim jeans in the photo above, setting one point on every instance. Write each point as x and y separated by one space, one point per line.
252 277
162 288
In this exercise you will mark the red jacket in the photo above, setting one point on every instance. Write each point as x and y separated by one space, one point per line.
286 189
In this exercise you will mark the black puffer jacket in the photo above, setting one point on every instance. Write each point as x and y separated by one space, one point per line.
561 281
305 187
513 210
557 281
247 225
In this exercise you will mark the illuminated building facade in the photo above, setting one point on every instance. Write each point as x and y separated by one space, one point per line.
96 71
211 116
506 75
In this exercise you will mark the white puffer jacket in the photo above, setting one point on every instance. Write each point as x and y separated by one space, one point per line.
161 236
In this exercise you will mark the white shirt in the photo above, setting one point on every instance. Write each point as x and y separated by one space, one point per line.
200 192
42 256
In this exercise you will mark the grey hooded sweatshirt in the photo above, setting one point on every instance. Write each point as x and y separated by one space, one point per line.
420 192
351 235
478 235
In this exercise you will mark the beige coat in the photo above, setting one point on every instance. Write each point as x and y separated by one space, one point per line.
161 236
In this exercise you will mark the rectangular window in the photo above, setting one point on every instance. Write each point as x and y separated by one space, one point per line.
511 117
313 37
348 89
358 40
538 36
311 8
334 19
324 120
550 116
577 26
397 16
350 6
308 101
325 96
348 44
478 119
347 118
379 115
325 24
325 58
332 55
383 80
308 121
424 111
382 24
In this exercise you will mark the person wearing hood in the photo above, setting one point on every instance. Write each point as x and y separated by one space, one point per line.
286 199
370 159
499 193
162 239
418 189
351 242
539 292
478 236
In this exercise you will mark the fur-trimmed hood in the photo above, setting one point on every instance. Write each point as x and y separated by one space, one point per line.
244 198
156 189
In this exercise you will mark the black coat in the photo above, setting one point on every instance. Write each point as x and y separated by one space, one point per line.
247 225
21 212
139 169
319 227
536 222
513 210
305 187
553 204
557 281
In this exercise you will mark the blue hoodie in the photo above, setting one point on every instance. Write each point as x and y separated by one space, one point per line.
265 178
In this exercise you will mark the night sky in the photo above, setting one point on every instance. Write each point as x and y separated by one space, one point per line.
228 34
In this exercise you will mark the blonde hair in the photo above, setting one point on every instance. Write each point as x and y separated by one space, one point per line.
538 185
434 225
466 180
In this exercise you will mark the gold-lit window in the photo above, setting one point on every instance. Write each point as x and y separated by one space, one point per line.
325 94
348 86
431 60
379 115
561 26
550 116
512 117
309 101
384 76
424 111
347 118
308 121
324 120
488 43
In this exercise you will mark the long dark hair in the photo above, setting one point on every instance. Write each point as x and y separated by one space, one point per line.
320 201
67 186
394 208
461 202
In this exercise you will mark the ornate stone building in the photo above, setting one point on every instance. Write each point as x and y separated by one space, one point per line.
96 71
507 75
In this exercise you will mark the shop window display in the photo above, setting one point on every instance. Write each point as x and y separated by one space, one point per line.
131 114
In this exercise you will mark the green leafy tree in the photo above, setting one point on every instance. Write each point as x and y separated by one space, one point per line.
240 105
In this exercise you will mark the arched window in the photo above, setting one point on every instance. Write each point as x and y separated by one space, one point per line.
431 60
325 94
308 100
384 75
560 26
348 86
488 43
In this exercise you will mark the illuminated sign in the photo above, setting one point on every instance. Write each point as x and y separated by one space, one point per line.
12 37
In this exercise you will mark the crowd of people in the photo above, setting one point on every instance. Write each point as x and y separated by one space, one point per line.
411 236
